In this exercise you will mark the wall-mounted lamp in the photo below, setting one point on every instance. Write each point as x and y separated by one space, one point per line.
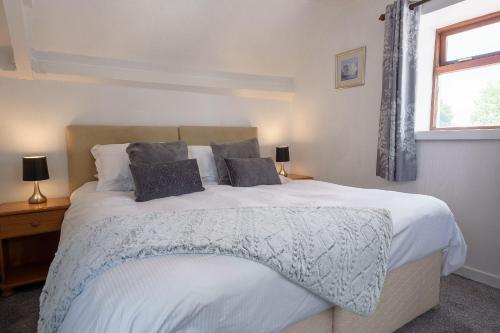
282 156
35 169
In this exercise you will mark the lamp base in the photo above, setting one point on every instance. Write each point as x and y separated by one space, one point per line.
282 171
37 197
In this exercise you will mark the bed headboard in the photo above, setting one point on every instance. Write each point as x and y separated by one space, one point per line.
81 138
204 135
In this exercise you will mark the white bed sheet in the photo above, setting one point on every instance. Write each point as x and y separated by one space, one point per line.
202 293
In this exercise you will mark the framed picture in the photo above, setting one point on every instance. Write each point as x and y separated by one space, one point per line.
350 68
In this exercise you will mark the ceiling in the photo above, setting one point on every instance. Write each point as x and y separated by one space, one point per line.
225 46
244 36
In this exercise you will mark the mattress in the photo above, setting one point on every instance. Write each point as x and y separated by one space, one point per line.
208 293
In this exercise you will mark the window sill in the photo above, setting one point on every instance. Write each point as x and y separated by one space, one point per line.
451 135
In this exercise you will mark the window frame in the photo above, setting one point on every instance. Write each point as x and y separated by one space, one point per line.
442 66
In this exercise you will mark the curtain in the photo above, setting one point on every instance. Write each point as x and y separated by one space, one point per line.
396 153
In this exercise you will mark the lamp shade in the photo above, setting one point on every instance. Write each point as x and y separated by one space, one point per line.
282 154
35 168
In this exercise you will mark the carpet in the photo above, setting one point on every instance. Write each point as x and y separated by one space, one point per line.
466 306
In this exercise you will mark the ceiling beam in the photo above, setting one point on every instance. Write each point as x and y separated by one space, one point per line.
19 37
77 68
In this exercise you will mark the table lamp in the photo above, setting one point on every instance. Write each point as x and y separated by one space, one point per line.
35 169
282 156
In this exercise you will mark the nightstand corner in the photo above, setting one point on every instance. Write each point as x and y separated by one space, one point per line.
294 176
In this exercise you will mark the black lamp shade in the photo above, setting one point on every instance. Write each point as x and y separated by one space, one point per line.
35 168
282 154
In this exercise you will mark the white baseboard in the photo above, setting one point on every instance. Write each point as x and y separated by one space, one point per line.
480 276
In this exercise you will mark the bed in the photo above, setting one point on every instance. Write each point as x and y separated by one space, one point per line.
210 293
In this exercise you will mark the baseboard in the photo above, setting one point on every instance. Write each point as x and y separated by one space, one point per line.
480 276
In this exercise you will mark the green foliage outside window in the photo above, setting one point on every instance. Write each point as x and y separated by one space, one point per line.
487 111
445 115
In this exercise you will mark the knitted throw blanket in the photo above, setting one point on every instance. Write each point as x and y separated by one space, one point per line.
337 253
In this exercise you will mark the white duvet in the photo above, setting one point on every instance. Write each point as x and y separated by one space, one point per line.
193 293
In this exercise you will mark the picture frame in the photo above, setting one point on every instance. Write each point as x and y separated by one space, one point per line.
350 68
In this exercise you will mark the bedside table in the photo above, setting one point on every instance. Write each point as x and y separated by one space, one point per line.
29 236
299 177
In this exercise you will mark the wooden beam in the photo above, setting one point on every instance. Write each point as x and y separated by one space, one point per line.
77 68
19 37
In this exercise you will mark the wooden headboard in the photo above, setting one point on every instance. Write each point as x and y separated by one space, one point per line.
204 135
81 138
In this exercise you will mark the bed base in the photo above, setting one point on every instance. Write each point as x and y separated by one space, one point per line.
409 291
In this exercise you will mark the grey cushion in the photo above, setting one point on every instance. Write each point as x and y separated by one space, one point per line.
157 152
153 181
252 172
242 149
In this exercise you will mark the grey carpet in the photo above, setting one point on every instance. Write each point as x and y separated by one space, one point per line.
466 306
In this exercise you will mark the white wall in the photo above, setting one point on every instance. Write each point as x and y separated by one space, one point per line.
33 116
334 134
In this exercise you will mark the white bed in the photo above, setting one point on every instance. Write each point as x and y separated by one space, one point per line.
194 293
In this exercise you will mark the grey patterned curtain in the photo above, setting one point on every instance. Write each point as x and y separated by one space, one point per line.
396 154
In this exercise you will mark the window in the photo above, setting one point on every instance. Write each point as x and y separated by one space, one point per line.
466 88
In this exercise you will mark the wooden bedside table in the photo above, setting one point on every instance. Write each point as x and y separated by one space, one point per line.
29 236
299 177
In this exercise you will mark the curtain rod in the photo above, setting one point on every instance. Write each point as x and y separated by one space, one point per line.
412 6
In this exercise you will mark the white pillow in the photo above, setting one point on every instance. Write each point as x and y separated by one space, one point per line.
206 163
112 164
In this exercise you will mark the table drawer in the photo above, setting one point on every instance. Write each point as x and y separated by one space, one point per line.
29 224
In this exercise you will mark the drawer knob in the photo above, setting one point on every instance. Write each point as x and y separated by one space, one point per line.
35 224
